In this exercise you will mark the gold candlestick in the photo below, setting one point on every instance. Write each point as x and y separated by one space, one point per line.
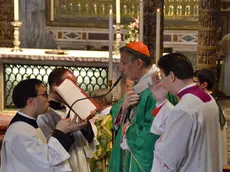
16 41
117 46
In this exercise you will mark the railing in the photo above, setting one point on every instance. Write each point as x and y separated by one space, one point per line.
88 78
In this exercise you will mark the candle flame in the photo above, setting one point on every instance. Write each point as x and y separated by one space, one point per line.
110 11
158 10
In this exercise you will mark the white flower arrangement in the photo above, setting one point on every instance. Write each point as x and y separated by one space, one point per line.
132 34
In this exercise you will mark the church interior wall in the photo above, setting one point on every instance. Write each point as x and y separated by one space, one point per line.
35 33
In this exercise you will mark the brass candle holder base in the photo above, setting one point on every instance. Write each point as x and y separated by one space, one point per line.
117 46
16 41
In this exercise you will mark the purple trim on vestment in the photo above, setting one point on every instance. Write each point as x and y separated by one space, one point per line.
195 90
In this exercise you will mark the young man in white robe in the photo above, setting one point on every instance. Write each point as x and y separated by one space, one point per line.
190 131
25 148
205 79
84 139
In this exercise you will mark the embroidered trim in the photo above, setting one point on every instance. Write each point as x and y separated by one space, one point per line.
157 109
163 166
137 162
92 153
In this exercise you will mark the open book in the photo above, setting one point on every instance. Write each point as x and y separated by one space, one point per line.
71 92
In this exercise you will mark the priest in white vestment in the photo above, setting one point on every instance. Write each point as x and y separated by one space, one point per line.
190 131
224 53
205 79
25 148
84 140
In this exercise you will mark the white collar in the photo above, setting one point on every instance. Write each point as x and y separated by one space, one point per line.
105 111
145 81
188 86
23 114
149 73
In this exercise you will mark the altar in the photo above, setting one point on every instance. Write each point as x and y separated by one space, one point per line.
90 68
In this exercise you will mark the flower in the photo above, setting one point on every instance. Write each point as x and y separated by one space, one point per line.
132 34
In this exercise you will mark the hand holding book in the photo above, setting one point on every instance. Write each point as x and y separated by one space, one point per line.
69 126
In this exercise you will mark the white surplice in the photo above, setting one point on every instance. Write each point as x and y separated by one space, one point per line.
190 137
80 148
224 84
25 150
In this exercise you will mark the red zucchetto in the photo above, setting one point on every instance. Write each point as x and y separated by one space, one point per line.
139 47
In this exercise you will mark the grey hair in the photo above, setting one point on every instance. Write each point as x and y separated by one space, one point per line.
99 92
134 55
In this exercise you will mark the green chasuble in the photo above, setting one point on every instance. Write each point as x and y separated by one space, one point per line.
139 139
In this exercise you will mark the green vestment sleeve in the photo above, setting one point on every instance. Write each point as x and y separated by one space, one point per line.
139 139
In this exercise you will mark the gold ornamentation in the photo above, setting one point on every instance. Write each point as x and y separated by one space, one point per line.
16 41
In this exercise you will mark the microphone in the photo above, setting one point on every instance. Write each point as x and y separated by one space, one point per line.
90 97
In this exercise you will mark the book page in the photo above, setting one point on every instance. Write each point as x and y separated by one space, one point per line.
70 92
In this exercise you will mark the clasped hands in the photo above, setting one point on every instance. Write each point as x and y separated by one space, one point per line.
72 125
130 99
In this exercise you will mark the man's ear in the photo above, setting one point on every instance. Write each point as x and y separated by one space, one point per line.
102 101
30 101
53 88
204 85
140 63
172 76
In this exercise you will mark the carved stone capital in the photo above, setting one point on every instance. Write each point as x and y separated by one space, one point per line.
150 8
209 22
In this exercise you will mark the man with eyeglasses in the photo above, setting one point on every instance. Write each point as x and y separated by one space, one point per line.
205 79
191 138
25 148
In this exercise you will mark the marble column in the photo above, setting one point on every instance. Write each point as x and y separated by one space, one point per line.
209 23
33 33
150 8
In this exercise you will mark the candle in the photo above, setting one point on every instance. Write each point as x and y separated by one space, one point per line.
158 42
16 10
141 23
110 44
52 10
118 11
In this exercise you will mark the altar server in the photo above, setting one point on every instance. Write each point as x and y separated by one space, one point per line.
85 142
205 79
25 148
190 141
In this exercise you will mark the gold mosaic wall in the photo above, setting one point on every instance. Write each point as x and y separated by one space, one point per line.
94 13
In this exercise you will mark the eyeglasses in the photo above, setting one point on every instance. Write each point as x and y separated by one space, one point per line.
44 95
196 81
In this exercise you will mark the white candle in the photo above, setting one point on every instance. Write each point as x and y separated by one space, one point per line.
52 10
158 32
16 10
110 44
118 11
141 23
